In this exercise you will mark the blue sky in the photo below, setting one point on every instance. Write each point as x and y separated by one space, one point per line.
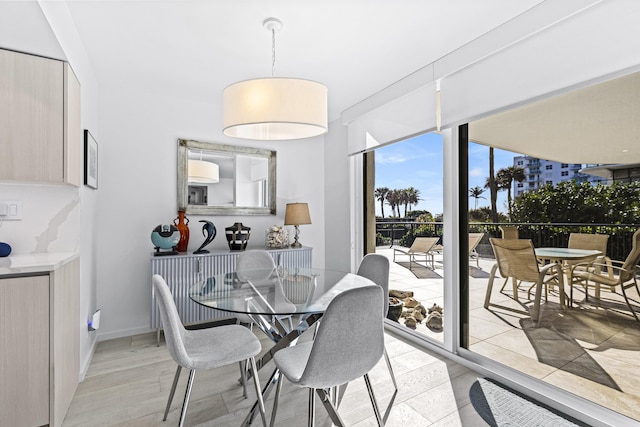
417 162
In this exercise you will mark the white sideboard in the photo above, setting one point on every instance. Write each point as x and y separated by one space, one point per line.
182 271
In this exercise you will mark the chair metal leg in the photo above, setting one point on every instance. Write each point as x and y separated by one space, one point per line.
374 402
395 386
276 399
312 408
243 377
328 405
187 395
172 392
256 382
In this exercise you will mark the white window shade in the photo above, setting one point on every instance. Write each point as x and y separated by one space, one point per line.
408 115
562 56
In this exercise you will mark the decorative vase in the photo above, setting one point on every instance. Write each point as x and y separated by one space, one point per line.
277 237
237 236
209 232
395 309
5 249
183 228
165 236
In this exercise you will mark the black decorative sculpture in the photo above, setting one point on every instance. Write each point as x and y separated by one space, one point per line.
209 232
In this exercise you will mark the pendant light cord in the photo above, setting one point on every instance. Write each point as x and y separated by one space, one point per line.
273 51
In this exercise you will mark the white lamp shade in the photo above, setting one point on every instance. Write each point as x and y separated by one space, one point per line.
275 109
203 172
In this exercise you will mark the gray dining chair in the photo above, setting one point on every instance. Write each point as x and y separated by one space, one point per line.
348 343
258 267
375 267
203 348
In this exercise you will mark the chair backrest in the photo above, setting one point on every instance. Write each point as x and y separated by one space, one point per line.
631 263
174 331
349 340
589 241
509 231
423 244
516 258
474 239
255 265
375 267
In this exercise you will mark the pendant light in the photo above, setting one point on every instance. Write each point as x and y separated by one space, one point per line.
275 108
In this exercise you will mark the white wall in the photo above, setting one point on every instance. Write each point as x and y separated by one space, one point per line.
137 187
337 205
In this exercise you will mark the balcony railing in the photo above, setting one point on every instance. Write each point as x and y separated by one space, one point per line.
542 234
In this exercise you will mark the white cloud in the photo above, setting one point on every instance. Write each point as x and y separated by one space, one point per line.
390 159
477 172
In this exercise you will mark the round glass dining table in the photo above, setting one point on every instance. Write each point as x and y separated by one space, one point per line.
282 303
270 292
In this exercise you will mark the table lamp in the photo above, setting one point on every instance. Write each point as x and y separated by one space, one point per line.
297 214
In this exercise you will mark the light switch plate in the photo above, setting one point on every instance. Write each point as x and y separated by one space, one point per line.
10 210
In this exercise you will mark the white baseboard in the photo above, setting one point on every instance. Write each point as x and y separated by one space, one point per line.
84 365
123 333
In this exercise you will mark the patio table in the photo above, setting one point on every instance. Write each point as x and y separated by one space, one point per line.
560 255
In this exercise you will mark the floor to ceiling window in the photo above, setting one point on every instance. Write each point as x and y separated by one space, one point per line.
546 194
408 202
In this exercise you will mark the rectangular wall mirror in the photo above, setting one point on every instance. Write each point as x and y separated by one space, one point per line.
220 179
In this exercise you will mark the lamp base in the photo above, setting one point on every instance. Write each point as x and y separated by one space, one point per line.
295 243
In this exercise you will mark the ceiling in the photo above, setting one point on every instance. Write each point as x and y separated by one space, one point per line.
194 49
594 124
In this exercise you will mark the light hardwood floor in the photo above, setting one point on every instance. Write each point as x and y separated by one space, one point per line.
129 379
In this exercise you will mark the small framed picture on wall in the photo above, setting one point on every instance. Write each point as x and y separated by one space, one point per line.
90 160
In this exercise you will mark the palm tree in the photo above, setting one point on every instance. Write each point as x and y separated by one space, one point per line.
413 197
505 178
393 199
381 196
493 188
476 193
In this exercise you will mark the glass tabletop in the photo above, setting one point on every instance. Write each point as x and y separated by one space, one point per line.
274 292
566 253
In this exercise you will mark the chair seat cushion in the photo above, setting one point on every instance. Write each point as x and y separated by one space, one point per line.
594 277
292 360
219 346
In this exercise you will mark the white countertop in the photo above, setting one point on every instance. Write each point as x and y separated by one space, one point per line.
34 263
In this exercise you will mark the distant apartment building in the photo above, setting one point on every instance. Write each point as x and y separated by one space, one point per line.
540 172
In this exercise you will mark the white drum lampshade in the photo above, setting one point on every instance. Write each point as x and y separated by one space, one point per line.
203 172
273 109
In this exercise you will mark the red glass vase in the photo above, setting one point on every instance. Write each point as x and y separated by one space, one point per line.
182 224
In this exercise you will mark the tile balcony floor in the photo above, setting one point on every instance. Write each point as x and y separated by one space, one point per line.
590 347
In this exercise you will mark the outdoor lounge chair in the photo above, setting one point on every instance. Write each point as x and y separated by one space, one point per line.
422 246
474 240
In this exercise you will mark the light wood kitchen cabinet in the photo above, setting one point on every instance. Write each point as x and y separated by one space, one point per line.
40 135
39 345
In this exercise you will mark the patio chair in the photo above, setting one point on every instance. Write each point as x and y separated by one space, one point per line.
474 240
509 231
516 260
421 246
612 274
